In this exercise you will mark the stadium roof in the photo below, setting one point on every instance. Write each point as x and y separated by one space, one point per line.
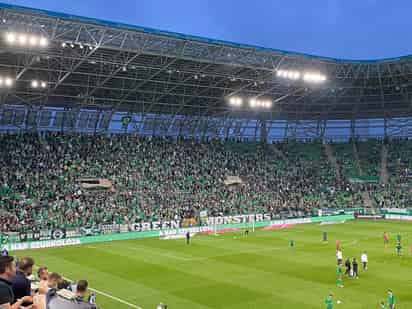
114 66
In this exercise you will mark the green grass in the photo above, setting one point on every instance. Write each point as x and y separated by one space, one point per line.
230 271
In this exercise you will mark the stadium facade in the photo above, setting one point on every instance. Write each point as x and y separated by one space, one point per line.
106 77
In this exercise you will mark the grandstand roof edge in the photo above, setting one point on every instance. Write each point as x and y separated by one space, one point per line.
149 30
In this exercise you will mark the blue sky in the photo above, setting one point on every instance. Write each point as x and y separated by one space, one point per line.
350 29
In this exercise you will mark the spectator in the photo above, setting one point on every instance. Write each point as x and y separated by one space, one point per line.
63 284
20 283
78 302
43 276
39 300
7 273
81 289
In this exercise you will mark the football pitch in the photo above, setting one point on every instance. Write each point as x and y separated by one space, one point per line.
235 271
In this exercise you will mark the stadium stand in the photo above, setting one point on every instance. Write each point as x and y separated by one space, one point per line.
162 179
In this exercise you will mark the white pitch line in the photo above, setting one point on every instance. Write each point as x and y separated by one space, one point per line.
110 296
116 298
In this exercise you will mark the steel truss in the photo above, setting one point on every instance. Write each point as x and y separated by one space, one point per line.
171 80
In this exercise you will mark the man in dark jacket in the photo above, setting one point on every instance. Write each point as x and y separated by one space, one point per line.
355 268
7 273
20 284
348 267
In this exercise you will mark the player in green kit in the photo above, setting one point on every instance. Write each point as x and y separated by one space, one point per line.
398 248
339 276
325 236
391 300
398 237
329 301
291 243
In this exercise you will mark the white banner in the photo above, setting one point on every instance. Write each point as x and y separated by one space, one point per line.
43 244
154 226
398 217
238 219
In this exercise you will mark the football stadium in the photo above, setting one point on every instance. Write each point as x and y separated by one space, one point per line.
142 168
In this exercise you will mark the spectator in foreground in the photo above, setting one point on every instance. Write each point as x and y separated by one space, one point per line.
7 273
77 302
52 282
81 291
21 284
43 275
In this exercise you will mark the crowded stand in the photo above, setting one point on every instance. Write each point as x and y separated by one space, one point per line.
164 179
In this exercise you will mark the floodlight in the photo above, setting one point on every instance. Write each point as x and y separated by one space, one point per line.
34 84
296 75
43 42
8 81
11 38
33 40
22 39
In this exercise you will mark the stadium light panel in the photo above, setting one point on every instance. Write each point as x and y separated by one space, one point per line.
296 75
314 77
26 40
235 101
43 84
